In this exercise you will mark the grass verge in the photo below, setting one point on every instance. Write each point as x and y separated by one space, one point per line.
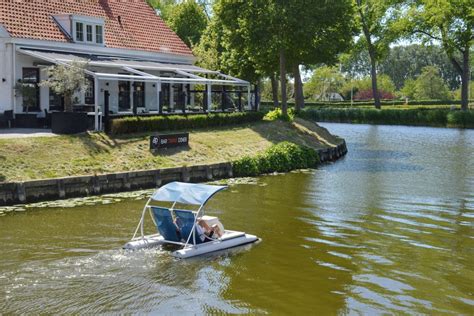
97 153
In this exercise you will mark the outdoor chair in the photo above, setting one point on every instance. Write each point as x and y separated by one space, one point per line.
164 223
7 118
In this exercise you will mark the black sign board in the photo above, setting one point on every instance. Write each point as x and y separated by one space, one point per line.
168 140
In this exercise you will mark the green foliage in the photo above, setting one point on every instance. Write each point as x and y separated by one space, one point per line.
323 81
188 20
277 114
282 157
409 89
449 22
406 62
344 104
418 116
384 83
429 85
67 79
28 93
462 119
138 124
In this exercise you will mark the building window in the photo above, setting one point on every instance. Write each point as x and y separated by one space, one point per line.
139 94
79 32
124 96
30 89
89 93
89 33
99 34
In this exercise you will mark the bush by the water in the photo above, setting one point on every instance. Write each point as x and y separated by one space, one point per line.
282 157
138 124
277 114
371 103
419 116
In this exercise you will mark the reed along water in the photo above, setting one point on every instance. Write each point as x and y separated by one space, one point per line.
389 229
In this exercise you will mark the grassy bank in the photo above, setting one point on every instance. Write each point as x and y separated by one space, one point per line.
96 153
393 116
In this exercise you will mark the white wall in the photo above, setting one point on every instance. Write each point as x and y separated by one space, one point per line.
6 88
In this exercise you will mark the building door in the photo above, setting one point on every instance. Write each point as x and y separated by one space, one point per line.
165 95
138 95
124 96
30 91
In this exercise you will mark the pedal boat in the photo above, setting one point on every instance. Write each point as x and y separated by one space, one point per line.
178 226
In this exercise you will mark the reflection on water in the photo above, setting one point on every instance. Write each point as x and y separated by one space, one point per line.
388 229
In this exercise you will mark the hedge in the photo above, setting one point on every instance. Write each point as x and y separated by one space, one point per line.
418 116
282 157
371 103
138 124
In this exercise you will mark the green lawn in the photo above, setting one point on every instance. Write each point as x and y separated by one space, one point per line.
96 153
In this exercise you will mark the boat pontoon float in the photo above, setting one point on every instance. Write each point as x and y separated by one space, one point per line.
179 226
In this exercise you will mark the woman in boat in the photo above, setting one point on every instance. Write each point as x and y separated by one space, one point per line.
207 233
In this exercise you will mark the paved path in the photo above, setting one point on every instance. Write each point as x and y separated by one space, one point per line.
25 133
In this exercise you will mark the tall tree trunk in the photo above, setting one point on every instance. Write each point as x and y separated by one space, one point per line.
274 81
373 75
465 78
299 98
284 105
372 53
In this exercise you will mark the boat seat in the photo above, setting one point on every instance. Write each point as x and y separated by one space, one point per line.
164 223
185 221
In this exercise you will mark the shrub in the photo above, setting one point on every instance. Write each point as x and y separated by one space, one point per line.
463 119
138 124
277 114
356 103
418 116
282 157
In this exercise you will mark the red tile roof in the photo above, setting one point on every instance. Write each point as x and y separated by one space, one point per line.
140 27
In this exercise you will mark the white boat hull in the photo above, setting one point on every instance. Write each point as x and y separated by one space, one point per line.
230 239
145 242
212 246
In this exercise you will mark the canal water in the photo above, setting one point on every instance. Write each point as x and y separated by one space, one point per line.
387 229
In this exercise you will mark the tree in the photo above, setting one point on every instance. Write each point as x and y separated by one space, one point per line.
375 20
323 81
67 79
449 22
407 62
362 88
429 85
409 89
188 20
312 32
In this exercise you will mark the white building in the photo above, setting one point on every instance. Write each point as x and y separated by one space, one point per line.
136 64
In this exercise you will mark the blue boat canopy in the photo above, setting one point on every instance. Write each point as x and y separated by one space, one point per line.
186 193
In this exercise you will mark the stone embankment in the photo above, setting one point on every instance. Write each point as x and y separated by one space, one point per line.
68 187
